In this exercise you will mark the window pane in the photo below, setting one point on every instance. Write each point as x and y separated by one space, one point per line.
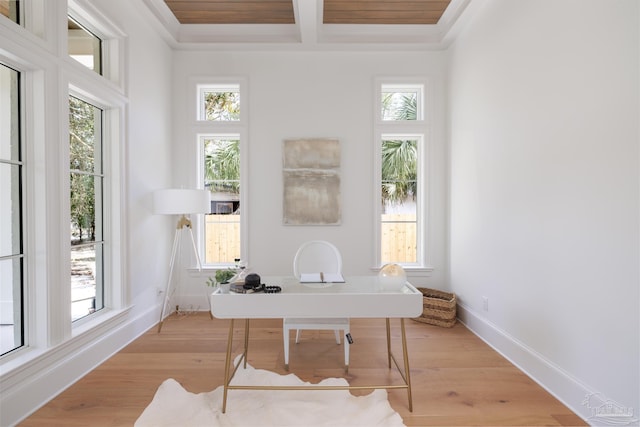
10 9
400 103
86 274
222 178
11 248
10 210
399 200
220 103
83 209
84 134
85 201
84 46
11 324
9 115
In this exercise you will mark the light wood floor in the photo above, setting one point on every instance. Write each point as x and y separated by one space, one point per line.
457 379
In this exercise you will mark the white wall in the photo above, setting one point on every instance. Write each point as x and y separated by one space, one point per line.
544 190
150 148
312 94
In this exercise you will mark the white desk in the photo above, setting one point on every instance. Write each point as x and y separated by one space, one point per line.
358 297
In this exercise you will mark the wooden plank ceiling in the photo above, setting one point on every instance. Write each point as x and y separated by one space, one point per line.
419 12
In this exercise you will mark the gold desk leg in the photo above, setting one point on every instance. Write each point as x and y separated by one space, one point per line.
246 341
405 355
388 343
227 368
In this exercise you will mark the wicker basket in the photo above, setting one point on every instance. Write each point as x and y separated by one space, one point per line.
438 308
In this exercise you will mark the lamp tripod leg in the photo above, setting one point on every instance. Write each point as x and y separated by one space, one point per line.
167 296
195 251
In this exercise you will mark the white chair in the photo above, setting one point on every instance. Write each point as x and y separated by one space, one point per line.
314 257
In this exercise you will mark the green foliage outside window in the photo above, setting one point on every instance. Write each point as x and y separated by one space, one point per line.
82 119
222 106
222 165
399 157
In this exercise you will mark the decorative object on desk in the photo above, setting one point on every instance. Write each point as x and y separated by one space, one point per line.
252 281
224 276
311 181
181 202
241 269
172 405
439 308
392 277
222 279
239 288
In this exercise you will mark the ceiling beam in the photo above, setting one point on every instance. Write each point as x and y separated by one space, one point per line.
306 12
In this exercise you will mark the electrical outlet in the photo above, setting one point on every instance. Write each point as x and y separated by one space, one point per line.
485 303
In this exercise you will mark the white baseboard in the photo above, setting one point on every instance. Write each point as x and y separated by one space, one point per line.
193 302
552 378
31 386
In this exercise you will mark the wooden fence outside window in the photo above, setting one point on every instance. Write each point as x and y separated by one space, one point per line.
398 238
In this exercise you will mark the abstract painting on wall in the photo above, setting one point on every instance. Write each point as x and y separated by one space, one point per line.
311 181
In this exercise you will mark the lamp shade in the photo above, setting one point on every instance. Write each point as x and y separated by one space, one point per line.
181 201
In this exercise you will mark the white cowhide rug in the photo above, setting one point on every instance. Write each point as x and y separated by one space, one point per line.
172 405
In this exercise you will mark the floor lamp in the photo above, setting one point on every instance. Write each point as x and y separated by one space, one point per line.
181 202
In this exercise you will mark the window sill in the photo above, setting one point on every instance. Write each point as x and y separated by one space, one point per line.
29 358
412 271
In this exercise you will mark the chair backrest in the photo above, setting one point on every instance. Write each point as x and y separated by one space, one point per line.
317 256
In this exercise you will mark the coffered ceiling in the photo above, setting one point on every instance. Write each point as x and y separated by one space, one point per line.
307 24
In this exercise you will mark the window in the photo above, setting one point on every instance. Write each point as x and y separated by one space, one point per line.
31 15
86 187
60 198
222 124
400 159
10 9
84 46
219 103
222 179
11 215
401 102
399 191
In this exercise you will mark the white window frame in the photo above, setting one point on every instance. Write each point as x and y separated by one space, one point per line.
112 153
98 174
243 219
403 88
105 91
47 318
404 129
32 17
23 192
221 87
112 38
201 128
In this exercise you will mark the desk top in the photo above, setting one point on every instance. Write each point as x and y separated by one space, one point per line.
359 296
